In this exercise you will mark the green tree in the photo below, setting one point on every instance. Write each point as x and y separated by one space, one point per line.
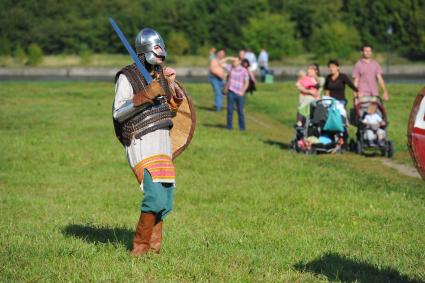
35 55
20 55
274 32
372 19
308 15
335 39
63 26
85 54
5 46
226 20
178 43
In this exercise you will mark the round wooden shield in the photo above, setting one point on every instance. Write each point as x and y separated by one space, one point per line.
183 125
416 133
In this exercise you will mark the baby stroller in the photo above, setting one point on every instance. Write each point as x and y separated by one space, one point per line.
315 135
363 143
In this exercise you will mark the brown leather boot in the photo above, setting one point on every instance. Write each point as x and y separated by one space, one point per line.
143 234
156 238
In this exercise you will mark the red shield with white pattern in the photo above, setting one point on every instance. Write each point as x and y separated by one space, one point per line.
416 133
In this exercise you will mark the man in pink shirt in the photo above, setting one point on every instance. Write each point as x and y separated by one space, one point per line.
366 72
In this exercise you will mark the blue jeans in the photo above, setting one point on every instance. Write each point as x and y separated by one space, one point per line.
240 101
217 85
263 73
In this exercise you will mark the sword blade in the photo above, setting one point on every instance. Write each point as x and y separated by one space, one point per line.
130 50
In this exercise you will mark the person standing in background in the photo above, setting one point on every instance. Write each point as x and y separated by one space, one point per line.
216 76
242 53
335 83
252 81
263 63
308 87
238 80
250 56
366 72
313 71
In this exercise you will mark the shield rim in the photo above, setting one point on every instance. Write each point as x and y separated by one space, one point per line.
413 113
193 125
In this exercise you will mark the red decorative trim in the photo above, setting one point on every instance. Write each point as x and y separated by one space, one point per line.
418 131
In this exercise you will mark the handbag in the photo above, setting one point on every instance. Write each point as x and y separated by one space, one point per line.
334 121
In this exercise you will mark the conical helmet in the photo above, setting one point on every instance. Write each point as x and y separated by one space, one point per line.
146 40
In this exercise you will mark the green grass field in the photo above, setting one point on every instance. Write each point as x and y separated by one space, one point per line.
246 209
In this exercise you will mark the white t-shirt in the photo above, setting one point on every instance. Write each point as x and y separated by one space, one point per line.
372 119
250 56
263 59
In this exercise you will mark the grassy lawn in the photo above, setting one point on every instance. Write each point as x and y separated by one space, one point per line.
103 60
246 209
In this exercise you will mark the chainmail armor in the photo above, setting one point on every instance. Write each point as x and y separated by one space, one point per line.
154 117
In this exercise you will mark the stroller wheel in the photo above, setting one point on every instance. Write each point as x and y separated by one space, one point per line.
359 148
352 145
383 151
390 149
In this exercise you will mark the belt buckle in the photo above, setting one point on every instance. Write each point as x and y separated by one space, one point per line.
162 99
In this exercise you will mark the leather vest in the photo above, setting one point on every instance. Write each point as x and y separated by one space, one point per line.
154 117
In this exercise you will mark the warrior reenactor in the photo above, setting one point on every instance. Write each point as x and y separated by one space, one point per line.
143 116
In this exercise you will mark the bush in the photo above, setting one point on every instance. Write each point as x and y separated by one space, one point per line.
35 55
276 33
335 40
204 49
85 54
178 43
20 55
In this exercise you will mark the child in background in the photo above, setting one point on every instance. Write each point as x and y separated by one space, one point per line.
373 122
308 88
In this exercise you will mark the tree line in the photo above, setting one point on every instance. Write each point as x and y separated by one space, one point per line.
286 28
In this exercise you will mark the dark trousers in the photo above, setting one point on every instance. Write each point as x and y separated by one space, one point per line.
345 134
217 85
263 73
233 98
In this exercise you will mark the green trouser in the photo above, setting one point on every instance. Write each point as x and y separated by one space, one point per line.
158 197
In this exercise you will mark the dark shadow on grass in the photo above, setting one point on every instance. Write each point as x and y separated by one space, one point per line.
282 145
206 108
340 268
100 235
372 154
218 126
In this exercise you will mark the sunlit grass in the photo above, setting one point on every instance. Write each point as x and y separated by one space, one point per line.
246 209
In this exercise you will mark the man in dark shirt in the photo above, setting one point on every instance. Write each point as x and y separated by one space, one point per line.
335 83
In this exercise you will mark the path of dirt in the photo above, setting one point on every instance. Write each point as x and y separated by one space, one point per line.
403 169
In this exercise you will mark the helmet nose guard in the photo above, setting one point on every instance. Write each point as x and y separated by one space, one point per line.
146 40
